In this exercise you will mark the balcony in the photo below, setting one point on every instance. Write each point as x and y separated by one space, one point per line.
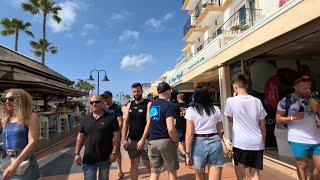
189 4
191 32
208 10
240 21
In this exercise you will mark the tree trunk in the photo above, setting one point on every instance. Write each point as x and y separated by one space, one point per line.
43 38
16 40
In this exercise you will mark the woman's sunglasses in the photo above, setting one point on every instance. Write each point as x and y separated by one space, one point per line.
95 102
8 99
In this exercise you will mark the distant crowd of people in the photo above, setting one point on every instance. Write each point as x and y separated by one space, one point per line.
160 133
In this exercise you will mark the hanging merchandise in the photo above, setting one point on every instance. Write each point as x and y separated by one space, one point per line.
271 91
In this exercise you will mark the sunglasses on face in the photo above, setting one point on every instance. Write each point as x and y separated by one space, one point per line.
95 102
7 99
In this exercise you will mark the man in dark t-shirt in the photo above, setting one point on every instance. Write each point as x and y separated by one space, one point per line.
114 108
162 150
180 111
134 132
99 133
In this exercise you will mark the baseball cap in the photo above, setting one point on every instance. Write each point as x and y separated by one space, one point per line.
106 94
163 87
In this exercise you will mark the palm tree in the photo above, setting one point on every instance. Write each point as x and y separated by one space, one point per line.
14 27
37 47
45 7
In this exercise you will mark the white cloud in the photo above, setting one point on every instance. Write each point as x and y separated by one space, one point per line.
156 24
91 42
168 16
88 29
119 16
68 15
135 62
127 34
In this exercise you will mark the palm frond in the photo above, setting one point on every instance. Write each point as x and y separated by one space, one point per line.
7 32
29 33
56 18
32 7
53 49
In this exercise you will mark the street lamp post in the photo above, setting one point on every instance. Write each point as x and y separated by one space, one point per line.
120 97
105 78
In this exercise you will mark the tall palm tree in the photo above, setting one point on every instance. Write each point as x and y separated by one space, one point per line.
37 47
45 7
14 27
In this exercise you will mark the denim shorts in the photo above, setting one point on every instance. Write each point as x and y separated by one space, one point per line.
207 151
90 170
301 150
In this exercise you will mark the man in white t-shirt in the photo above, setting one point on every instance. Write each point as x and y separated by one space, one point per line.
246 114
299 112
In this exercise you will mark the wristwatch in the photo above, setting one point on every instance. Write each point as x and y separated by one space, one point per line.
77 154
114 153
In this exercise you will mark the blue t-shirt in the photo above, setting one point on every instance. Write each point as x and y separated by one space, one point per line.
160 109
115 109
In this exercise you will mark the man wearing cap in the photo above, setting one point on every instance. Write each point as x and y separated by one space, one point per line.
163 140
300 116
110 106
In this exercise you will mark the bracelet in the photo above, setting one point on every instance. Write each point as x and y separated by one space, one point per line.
291 118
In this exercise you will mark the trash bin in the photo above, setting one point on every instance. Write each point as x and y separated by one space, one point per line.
281 134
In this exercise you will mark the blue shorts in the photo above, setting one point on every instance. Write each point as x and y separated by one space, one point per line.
90 170
301 150
207 151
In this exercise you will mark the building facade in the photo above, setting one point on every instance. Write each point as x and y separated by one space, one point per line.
267 40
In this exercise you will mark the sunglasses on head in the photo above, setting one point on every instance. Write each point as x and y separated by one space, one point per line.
9 99
303 79
95 102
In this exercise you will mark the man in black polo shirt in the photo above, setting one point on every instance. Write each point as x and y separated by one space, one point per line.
135 121
116 110
99 133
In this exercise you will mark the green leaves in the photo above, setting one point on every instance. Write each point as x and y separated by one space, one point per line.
36 47
45 7
14 27
84 85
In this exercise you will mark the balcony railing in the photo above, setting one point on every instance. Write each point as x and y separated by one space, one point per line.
210 2
184 58
203 4
204 44
240 21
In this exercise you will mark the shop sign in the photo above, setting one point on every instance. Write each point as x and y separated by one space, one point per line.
176 78
196 63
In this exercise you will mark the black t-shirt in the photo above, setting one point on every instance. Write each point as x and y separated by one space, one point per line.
116 109
137 119
98 137
180 111
160 109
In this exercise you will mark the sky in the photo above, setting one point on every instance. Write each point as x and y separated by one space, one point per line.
132 40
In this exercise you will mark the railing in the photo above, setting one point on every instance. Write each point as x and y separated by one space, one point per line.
203 4
211 2
240 21
183 57
204 44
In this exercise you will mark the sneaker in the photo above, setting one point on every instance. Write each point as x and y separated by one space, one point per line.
120 175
